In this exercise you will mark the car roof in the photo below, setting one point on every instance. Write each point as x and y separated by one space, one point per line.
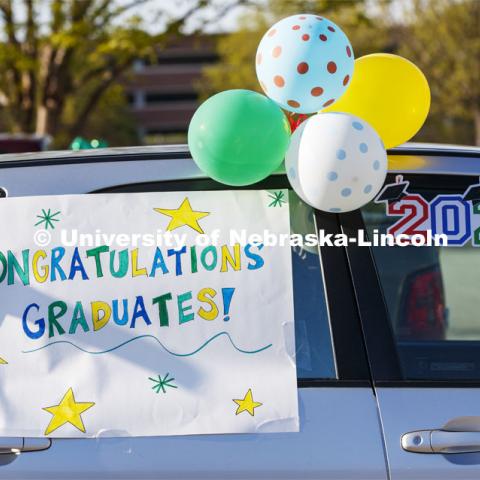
408 158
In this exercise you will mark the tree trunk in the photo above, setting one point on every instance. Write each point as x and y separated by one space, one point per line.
476 119
47 120
54 87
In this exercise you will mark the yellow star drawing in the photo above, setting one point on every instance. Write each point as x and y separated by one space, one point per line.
67 411
3 361
247 404
183 215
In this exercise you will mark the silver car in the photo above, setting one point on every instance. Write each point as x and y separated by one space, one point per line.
388 338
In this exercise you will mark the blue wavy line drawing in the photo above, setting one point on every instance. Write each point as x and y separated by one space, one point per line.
249 352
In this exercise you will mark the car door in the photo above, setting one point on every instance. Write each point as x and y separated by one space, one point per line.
420 314
340 435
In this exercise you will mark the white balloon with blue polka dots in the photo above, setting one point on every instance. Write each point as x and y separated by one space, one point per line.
336 162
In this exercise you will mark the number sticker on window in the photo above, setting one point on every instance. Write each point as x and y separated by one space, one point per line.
455 216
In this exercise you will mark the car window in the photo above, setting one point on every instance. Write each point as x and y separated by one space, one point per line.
314 350
431 291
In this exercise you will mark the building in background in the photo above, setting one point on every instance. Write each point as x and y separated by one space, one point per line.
19 143
163 96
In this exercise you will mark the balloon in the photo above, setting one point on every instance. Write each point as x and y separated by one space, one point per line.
304 63
390 93
238 137
336 162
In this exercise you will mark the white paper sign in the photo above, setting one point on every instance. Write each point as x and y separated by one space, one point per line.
106 330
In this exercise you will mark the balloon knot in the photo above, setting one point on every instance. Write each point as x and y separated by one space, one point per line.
296 119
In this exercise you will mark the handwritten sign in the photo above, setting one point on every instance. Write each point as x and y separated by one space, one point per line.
146 314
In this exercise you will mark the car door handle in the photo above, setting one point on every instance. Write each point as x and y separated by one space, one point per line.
19 445
441 441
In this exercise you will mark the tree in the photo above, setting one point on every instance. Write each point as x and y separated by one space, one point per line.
442 38
53 75
111 120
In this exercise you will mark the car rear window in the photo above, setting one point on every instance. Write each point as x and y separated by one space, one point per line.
431 292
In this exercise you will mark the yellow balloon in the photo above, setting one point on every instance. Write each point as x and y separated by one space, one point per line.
390 93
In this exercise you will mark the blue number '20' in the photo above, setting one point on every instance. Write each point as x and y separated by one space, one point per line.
450 215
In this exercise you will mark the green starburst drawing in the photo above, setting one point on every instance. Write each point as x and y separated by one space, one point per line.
162 383
278 199
47 218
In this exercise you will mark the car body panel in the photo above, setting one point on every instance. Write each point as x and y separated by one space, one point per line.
341 427
339 439
334 419
411 409
71 172
62 179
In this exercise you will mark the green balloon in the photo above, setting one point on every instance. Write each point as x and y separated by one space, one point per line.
238 137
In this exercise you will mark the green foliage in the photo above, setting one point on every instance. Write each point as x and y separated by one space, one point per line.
111 120
443 39
236 68
61 77
52 77
440 36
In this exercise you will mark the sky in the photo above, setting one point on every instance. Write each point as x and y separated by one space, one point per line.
149 9
174 8
228 22
157 12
